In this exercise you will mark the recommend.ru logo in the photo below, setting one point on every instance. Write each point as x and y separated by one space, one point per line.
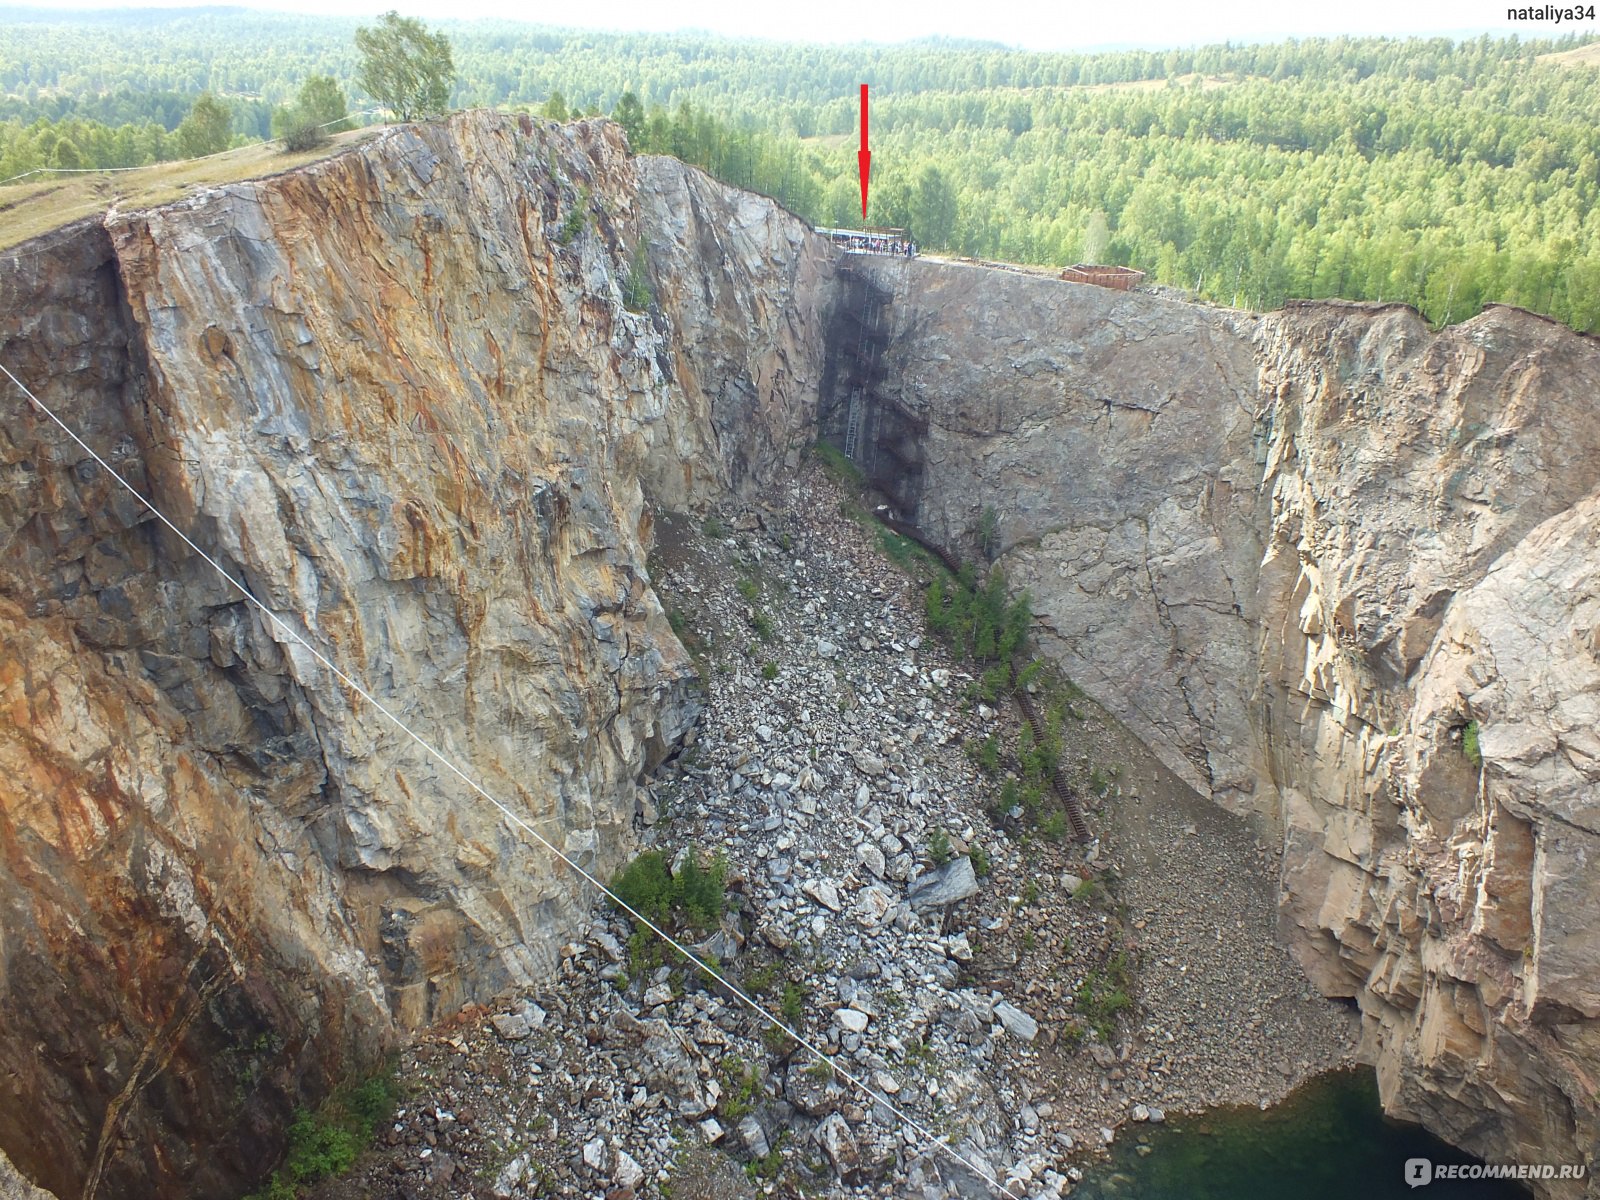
1420 1171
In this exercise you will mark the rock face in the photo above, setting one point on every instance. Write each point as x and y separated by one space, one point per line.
1311 557
388 396
1339 571
1431 580
1111 434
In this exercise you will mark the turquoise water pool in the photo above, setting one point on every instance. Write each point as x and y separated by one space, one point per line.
1328 1141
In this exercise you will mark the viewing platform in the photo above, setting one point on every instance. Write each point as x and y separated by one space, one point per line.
874 239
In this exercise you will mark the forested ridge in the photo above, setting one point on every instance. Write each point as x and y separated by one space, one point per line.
1443 174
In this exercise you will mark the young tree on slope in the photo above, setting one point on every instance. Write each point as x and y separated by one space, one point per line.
321 102
404 67
317 112
207 129
629 113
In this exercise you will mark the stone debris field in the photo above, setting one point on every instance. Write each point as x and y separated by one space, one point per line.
1021 996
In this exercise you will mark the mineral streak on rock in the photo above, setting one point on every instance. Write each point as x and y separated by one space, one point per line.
385 395
1302 554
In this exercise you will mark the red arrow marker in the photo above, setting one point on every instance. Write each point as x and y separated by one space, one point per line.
864 156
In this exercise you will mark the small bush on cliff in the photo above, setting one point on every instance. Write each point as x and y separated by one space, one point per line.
645 885
302 138
741 1088
318 1148
1040 759
317 112
555 107
697 895
702 893
981 866
326 1143
985 753
637 295
977 621
935 606
1469 744
576 220
1103 996
988 535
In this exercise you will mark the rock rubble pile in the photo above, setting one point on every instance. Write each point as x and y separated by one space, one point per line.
962 969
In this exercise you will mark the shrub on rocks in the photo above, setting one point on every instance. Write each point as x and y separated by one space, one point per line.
301 138
696 896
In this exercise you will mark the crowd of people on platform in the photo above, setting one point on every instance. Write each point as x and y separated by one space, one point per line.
868 242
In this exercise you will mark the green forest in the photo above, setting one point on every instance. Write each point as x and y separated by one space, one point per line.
1443 174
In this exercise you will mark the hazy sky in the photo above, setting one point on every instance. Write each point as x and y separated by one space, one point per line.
1040 24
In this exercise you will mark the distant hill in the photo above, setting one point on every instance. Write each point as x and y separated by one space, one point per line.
951 43
1583 56
23 14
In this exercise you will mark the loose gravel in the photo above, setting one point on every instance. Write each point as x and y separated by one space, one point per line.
959 964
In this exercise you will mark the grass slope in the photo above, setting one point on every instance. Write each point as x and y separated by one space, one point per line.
48 202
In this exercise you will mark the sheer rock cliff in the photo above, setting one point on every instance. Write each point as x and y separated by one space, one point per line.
1340 571
399 397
